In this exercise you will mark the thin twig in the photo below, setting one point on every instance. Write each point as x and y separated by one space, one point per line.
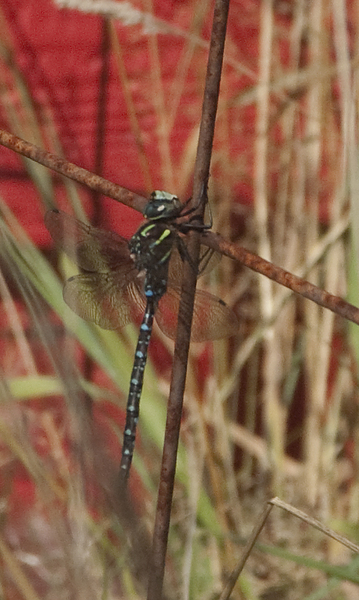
314 523
296 284
232 579
175 402
62 166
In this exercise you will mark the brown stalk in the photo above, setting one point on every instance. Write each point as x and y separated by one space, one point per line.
175 402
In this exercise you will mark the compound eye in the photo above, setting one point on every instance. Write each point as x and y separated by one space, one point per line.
162 205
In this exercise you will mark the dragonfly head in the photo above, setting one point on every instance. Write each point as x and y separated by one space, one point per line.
162 205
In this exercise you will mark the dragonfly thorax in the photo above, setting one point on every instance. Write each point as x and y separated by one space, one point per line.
150 250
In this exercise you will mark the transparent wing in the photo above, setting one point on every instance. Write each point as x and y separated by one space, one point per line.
212 318
104 299
208 260
90 248
109 293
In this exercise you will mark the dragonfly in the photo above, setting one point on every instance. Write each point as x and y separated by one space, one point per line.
123 280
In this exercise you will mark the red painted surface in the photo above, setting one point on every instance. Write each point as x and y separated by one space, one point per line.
58 56
59 61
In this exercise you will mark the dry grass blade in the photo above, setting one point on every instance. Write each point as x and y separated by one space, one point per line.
261 521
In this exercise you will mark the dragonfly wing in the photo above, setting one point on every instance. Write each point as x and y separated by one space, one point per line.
91 248
208 260
212 318
103 299
175 267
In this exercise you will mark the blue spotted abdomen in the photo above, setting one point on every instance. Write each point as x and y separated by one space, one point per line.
136 383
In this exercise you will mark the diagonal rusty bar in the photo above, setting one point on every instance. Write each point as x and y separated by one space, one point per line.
213 240
62 166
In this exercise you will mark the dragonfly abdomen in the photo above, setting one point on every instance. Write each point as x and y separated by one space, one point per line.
136 383
150 249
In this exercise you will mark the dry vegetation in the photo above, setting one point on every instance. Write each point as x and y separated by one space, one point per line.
271 412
